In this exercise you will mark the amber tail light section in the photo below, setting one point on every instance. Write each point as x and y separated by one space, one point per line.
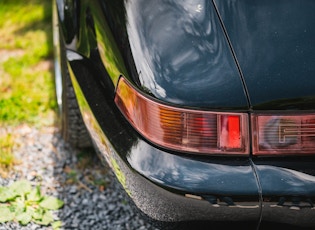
181 129
283 134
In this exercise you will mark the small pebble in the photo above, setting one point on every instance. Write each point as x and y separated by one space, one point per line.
44 159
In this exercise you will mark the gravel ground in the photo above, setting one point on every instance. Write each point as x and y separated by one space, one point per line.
91 196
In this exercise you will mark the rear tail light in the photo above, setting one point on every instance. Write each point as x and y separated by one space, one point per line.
183 129
207 132
283 135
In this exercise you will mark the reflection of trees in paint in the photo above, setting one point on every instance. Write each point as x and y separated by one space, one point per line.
107 43
119 174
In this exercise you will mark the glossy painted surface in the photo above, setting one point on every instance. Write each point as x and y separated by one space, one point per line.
274 45
218 176
186 61
181 54
172 186
288 190
166 187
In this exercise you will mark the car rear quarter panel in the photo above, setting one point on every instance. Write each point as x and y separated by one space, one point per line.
213 188
175 51
274 45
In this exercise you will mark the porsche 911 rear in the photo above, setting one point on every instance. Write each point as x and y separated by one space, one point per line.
205 110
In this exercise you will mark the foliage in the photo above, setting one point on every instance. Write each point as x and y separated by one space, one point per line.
26 80
23 203
26 96
7 159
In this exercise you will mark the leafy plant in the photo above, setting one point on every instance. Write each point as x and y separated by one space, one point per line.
23 203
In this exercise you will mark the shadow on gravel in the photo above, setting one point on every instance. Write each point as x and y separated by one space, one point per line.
90 192
92 197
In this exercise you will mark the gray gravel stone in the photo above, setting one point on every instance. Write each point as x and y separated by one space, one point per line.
47 160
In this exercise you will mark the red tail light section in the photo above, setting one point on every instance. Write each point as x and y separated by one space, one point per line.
207 132
283 134
183 129
230 131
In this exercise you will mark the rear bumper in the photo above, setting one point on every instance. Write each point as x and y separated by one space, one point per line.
287 190
169 187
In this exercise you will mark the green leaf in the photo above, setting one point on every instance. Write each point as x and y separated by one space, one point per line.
21 187
56 225
38 214
24 218
18 204
16 209
12 207
51 203
6 194
6 214
46 220
34 195
27 204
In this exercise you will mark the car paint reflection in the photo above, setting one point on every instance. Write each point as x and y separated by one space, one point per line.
191 175
288 181
188 53
273 45
287 192
158 202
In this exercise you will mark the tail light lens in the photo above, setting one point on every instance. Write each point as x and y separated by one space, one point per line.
183 129
283 135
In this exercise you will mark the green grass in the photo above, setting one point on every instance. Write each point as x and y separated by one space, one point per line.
26 70
7 159
26 80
